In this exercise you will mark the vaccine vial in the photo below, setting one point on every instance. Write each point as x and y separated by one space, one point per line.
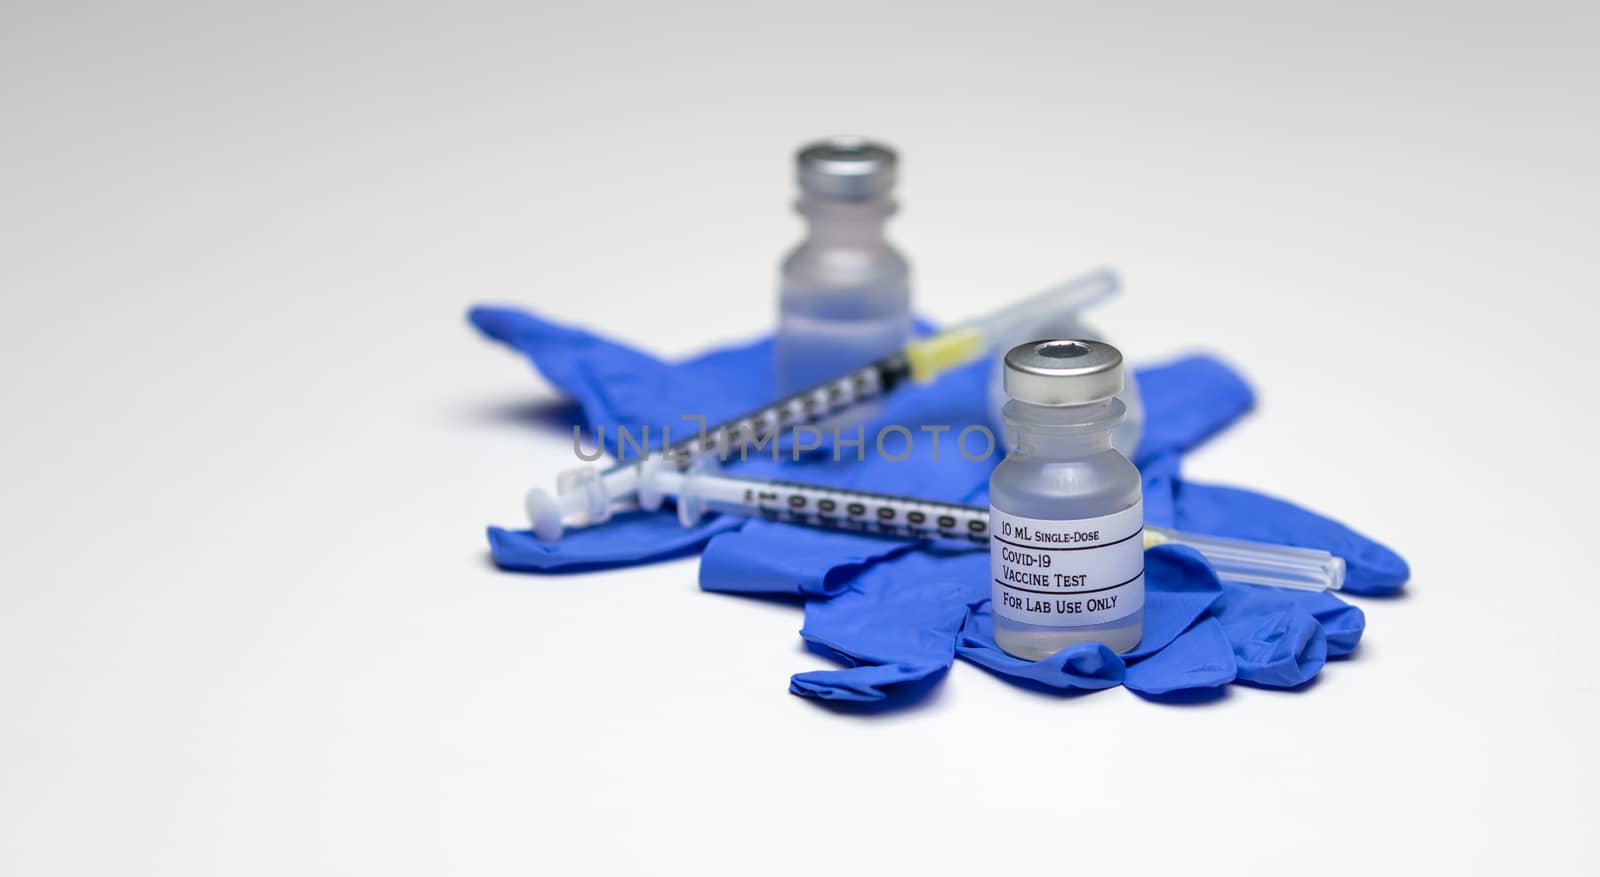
1066 517
845 296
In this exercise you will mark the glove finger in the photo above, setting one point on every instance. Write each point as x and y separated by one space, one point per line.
623 541
1187 402
1085 667
599 374
871 683
901 615
1342 623
1371 568
1276 643
619 387
1201 657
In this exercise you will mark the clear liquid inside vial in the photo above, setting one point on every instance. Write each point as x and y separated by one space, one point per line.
845 296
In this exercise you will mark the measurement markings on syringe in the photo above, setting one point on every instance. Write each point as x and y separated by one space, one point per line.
1068 573
756 428
867 512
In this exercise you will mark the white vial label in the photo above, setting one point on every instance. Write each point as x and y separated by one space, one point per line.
1067 573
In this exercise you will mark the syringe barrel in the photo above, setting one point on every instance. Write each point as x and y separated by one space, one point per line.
702 489
1090 289
699 491
754 429
1260 563
969 340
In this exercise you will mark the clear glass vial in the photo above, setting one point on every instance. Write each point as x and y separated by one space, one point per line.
845 294
1066 515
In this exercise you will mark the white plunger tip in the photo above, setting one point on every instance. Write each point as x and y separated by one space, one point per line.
544 514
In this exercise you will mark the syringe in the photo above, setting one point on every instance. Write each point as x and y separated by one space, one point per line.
589 495
702 489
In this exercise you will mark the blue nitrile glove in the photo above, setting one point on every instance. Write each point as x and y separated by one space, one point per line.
1275 642
900 622
1280 637
1187 401
772 558
1200 658
895 622
618 386
635 537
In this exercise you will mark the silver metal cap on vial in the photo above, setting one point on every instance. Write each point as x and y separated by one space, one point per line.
846 169
1065 372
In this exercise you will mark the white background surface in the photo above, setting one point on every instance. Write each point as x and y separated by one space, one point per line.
248 624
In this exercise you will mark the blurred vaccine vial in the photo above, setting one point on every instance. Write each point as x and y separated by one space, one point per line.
845 294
